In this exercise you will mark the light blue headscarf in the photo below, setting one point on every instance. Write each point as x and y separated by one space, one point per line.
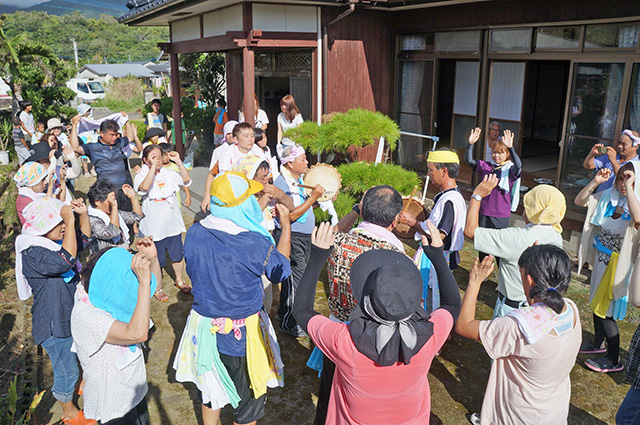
612 198
113 286
247 215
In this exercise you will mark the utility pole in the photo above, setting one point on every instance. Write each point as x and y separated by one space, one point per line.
75 51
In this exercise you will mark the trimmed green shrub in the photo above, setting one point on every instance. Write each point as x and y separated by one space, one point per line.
358 127
357 177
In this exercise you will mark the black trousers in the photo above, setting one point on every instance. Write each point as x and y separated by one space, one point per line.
326 381
299 257
139 415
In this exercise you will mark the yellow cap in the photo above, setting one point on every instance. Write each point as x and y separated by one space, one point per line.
233 188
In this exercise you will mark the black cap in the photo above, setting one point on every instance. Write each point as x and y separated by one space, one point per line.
153 131
39 151
392 281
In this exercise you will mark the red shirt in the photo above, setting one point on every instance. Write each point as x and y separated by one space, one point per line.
364 392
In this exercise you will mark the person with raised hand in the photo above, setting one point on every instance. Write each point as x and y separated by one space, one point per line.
384 353
544 209
162 215
110 319
229 348
47 267
496 207
533 348
607 239
603 157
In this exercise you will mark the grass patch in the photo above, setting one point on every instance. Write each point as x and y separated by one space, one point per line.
123 94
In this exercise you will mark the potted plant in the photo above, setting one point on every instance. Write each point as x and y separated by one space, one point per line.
6 136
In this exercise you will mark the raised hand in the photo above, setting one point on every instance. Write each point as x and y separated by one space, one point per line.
283 213
147 247
488 183
629 178
175 157
436 237
481 270
63 173
507 138
141 266
128 191
322 236
602 175
79 207
66 212
475 135
68 153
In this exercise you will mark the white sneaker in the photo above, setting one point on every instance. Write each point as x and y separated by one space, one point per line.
474 418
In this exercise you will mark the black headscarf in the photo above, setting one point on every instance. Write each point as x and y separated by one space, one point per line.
388 324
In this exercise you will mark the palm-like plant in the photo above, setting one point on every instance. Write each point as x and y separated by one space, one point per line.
6 134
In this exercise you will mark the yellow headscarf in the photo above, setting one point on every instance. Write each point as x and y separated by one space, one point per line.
545 204
443 157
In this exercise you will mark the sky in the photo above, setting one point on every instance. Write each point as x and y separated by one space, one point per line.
62 7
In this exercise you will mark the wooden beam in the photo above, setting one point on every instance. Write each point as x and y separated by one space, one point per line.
249 85
247 17
237 39
177 109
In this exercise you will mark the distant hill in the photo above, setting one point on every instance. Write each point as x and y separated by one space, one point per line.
89 8
99 39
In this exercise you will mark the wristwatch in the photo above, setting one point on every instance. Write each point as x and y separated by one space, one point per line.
356 209
476 197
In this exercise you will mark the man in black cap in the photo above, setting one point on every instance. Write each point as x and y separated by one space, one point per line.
384 353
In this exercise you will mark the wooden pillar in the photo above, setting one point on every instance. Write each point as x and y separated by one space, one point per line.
482 108
177 109
249 85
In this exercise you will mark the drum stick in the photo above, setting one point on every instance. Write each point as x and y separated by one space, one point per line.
410 198
304 186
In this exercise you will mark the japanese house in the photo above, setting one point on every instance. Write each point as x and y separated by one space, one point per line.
562 75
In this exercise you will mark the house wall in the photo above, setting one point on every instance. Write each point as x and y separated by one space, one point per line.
285 18
508 12
220 21
185 29
360 61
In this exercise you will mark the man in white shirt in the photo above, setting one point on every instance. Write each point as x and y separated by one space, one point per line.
28 122
226 155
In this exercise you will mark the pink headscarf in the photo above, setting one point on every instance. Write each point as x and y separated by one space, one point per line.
296 151
634 139
40 216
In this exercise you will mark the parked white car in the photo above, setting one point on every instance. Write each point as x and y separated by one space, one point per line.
86 89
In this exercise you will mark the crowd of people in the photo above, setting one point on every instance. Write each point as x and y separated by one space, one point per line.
390 314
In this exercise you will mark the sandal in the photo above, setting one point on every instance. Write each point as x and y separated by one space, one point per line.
161 296
79 419
603 365
182 286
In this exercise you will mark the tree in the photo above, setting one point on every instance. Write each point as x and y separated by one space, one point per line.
204 74
33 72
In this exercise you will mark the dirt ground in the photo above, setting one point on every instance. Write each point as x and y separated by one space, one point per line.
458 375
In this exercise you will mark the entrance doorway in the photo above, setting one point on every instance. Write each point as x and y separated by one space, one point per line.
545 94
277 75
